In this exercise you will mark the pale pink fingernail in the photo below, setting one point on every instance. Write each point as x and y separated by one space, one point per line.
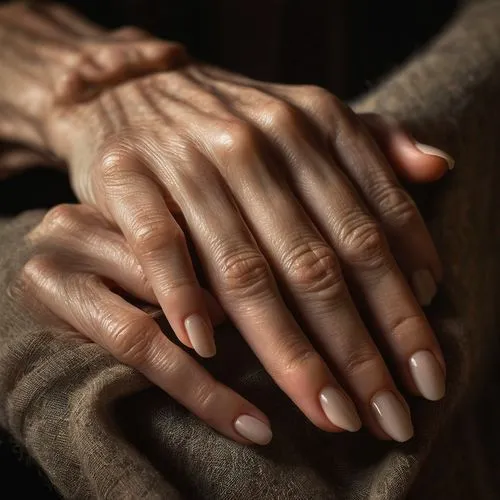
339 409
200 335
431 150
253 429
392 416
428 375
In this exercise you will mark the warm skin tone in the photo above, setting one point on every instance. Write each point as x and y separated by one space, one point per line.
289 199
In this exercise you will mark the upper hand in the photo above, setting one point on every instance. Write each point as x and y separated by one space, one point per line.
291 206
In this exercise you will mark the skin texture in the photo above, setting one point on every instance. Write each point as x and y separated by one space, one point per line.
77 250
284 193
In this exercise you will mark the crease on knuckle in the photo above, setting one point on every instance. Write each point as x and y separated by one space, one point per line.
206 400
244 272
361 362
361 240
395 205
31 275
36 271
113 161
151 235
299 356
314 268
61 218
132 341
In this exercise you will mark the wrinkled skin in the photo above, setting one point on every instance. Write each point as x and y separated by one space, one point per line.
288 200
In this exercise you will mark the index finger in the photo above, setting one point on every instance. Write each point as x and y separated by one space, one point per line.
135 339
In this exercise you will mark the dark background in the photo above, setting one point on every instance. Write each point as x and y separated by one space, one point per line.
384 34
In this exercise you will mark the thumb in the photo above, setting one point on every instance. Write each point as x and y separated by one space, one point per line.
412 161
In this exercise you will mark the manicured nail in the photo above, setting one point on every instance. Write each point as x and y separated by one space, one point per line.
428 375
424 286
253 429
200 336
339 409
392 416
431 150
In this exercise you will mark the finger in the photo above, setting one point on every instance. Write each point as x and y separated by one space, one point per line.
412 243
355 236
86 242
362 247
398 214
137 205
367 168
135 339
215 311
412 161
307 267
240 276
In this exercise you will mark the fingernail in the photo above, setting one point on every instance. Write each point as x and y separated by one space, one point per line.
392 416
431 150
253 429
200 336
424 286
339 409
428 375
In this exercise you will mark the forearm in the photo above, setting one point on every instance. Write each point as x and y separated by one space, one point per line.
51 57
449 95
39 45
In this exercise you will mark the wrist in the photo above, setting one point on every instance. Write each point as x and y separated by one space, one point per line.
38 45
114 58
46 66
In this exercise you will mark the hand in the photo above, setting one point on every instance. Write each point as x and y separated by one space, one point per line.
79 272
288 200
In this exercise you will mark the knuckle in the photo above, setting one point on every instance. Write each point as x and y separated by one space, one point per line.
280 115
362 241
152 235
32 277
299 356
132 340
131 33
395 206
205 400
322 100
115 163
313 268
36 270
236 137
245 272
61 217
171 52
361 362
111 161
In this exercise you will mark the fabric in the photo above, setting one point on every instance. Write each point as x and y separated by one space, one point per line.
99 430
